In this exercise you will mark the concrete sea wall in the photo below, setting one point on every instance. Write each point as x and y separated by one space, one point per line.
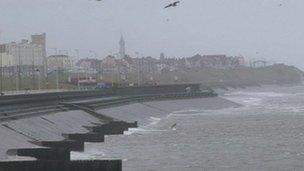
50 138
96 165
18 134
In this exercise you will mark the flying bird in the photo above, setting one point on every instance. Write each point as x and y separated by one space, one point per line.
173 127
174 4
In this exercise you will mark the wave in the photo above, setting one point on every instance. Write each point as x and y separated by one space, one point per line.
87 155
251 98
190 112
154 120
256 94
145 129
201 112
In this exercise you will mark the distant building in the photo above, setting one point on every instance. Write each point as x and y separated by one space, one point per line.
61 62
40 39
6 59
122 48
162 57
23 54
90 64
109 65
22 58
214 61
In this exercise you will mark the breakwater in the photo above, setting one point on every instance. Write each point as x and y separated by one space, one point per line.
96 165
54 155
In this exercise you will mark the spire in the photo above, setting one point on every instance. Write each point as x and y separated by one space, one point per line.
122 51
122 41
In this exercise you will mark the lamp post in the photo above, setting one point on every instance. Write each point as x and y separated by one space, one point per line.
33 67
18 58
2 50
139 67
1 72
57 70
78 77
137 56
95 57
39 78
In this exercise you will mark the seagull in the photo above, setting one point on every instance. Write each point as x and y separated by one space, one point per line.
173 127
174 4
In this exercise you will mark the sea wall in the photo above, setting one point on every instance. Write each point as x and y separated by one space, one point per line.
18 134
96 165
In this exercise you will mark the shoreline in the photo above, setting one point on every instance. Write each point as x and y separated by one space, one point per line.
213 113
50 127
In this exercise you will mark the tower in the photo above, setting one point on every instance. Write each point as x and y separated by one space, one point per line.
40 39
122 48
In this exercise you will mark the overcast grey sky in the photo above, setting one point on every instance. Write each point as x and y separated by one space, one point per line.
252 28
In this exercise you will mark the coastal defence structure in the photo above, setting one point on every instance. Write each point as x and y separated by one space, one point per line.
54 154
55 165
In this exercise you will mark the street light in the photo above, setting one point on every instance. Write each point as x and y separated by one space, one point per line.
57 70
139 66
95 57
78 77
39 76
2 50
33 67
18 58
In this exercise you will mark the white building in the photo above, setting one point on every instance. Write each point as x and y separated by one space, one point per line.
59 61
22 54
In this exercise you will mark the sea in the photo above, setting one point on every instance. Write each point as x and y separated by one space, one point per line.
259 128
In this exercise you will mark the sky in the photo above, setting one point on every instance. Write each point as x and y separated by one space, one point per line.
255 29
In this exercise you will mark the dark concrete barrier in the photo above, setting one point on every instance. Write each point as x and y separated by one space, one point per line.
99 130
42 153
113 127
72 95
99 104
95 165
86 137
67 144
54 96
157 89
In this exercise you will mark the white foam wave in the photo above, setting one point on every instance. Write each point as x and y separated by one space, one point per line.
252 101
87 155
154 120
135 131
186 111
251 98
141 131
256 94
292 109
